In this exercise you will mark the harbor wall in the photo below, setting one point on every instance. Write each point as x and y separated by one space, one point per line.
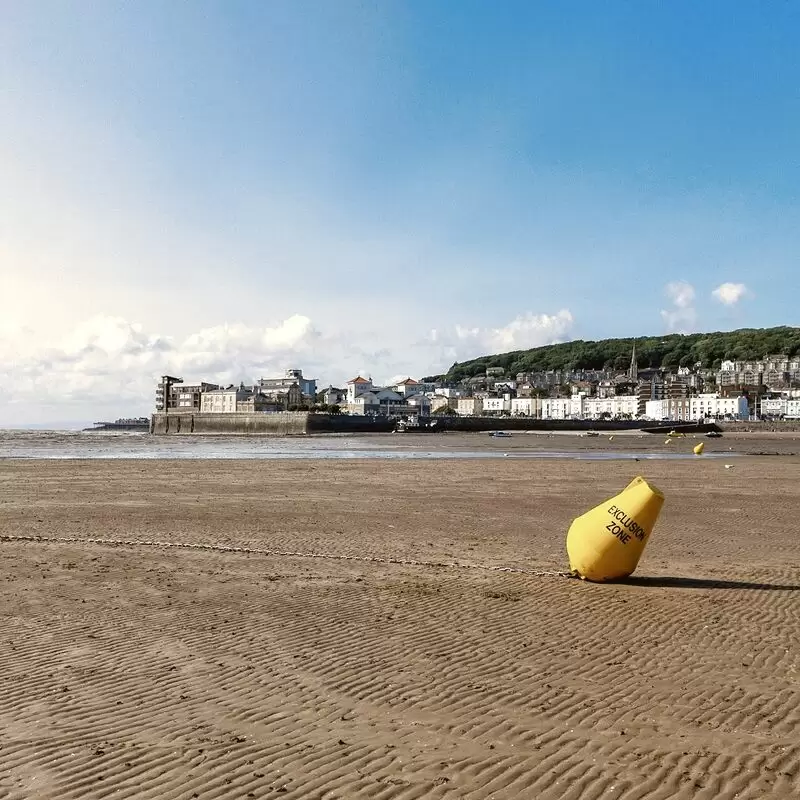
762 426
283 423
346 423
286 423
289 423
480 424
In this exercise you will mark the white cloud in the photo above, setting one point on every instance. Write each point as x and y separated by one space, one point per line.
680 293
682 317
729 294
110 365
460 343
528 330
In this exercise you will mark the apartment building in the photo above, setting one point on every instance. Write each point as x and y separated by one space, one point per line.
172 394
526 407
223 401
469 406
699 407
557 407
625 405
273 386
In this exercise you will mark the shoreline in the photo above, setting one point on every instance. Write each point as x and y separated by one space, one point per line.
530 445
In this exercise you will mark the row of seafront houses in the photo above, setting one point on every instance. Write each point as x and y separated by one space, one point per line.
294 392
630 397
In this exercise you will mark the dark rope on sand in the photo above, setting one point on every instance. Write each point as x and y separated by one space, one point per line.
222 548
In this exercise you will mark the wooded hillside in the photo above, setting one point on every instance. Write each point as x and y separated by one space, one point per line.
670 351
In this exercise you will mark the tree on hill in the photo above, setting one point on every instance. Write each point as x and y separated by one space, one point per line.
669 352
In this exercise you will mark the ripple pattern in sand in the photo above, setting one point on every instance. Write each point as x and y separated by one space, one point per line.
180 675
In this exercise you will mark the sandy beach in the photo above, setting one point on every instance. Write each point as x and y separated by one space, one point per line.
143 671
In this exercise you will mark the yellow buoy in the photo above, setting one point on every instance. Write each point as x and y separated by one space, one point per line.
698 449
669 441
606 543
610 438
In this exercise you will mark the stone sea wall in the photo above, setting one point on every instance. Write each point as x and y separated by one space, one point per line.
283 424
772 426
300 423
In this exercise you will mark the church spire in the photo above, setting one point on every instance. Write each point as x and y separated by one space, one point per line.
633 370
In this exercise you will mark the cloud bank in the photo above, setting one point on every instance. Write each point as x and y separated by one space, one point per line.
108 364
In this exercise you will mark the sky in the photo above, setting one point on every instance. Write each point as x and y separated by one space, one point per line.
224 190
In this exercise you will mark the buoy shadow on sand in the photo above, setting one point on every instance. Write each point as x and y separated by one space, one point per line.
673 582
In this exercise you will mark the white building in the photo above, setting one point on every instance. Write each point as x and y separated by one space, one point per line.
700 407
379 401
469 406
496 405
272 386
787 406
674 409
438 402
657 409
222 401
333 396
366 403
526 407
556 407
576 402
407 387
356 387
621 405
579 406
712 405
774 407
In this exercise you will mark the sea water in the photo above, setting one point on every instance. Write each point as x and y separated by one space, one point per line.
116 445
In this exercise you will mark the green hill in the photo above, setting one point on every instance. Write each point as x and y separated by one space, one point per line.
670 351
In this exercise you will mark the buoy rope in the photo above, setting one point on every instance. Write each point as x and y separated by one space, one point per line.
222 548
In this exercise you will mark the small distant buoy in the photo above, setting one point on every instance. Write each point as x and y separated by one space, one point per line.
698 449
610 438
669 441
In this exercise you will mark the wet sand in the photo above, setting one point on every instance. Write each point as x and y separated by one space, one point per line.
138 671
617 442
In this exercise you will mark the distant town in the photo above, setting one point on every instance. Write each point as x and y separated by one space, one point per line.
768 388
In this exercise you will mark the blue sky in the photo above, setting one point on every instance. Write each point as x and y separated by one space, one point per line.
381 186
